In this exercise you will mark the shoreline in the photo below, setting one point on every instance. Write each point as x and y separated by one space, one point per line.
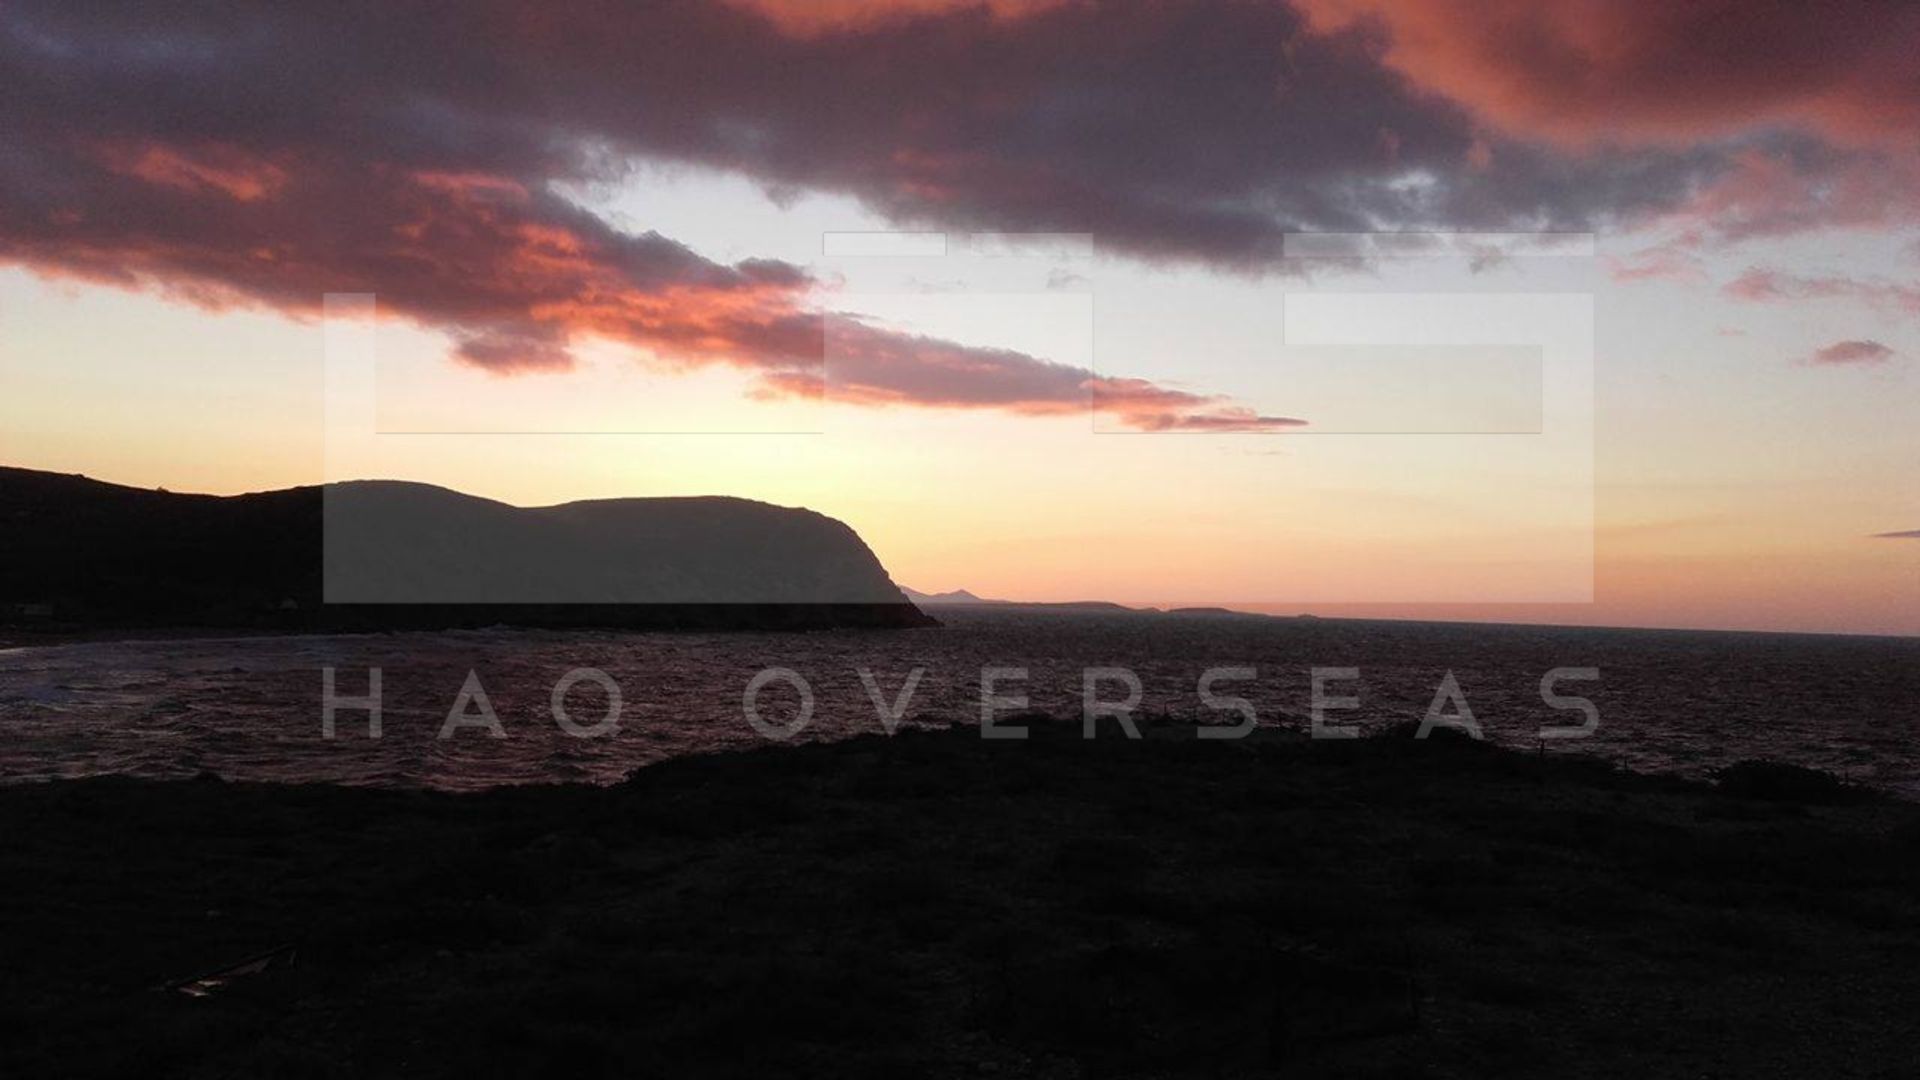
714 619
26 636
918 904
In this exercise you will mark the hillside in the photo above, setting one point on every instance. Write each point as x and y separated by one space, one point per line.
82 555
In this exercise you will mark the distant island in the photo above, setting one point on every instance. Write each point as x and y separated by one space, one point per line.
961 598
957 597
86 557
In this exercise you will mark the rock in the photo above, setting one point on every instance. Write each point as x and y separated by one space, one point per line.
1773 781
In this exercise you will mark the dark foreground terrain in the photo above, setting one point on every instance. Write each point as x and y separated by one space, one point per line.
936 904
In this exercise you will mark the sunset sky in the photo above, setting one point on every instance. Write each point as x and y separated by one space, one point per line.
1048 300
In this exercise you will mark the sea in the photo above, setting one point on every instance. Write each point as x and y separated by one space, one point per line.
471 710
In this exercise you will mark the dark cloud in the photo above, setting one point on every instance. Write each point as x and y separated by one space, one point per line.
234 153
229 156
1197 130
1909 534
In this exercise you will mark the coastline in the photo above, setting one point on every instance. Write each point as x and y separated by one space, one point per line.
339 619
900 906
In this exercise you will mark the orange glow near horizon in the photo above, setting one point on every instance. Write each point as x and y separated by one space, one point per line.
975 500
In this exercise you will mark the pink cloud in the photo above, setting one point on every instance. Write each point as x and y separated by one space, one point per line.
1772 286
1662 262
1852 353
1589 72
1798 116
515 276
874 367
1769 194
